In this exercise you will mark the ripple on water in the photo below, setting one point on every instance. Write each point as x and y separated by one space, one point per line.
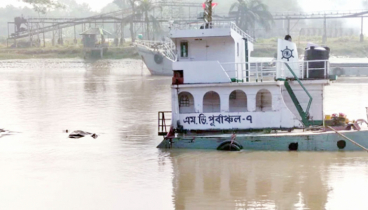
122 169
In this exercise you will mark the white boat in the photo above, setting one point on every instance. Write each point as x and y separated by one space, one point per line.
221 100
153 55
157 55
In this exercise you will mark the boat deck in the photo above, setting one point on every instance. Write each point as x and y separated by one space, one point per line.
297 132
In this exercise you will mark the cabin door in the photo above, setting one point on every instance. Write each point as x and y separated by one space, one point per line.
198 50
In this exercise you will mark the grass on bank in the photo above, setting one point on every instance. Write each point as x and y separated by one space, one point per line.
64 52
68 50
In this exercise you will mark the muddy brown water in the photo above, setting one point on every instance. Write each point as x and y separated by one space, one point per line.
40 168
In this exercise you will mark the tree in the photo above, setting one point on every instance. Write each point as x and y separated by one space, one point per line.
283 5
123 4
250 12
145 7
42 6
120 3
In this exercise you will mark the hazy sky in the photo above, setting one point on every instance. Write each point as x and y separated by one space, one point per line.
323 5
95 4
309 5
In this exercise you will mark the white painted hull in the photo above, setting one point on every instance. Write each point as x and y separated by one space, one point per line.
162 68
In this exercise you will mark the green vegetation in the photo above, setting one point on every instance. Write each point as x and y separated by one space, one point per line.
251 12
141 8
125 51
145 7
42 6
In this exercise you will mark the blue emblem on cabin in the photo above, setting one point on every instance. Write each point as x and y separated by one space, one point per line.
287 53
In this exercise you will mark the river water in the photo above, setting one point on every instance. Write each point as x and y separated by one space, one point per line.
41 168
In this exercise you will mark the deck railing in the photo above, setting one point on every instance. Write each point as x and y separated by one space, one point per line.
250 72
166 47
313 69
241 32
263 71
212 25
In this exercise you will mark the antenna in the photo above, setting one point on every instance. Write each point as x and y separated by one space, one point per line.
208 12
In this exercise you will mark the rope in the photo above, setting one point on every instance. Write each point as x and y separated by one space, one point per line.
233 137
352 141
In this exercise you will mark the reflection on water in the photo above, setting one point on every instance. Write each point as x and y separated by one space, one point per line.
122 169
269 180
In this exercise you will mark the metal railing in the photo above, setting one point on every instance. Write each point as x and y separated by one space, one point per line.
241 32
250 72
212 25
57 25
313 69
166 48
164 123
263 71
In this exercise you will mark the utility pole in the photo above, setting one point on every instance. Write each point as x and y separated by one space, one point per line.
324 38
75 35
361 33
208 13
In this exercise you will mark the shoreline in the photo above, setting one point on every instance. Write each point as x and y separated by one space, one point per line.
346 47
65 53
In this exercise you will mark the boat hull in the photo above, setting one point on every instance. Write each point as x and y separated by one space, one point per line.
161 66
327 141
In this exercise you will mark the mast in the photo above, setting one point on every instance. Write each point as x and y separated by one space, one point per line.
208 12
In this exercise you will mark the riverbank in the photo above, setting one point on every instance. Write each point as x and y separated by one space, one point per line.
64 52
340 47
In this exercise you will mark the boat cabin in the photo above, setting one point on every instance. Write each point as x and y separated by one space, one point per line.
204 48
215 87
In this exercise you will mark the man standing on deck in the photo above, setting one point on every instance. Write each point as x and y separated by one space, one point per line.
288 38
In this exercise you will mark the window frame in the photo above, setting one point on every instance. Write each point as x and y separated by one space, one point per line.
186 44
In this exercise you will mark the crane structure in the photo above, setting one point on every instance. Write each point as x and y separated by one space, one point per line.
36 28
322 15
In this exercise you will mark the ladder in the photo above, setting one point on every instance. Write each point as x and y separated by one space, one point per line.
164 123
303 114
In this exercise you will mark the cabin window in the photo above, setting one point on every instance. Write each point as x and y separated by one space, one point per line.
211 102
233 95
184 49
237 48
238 101
264 101
186 103
178 77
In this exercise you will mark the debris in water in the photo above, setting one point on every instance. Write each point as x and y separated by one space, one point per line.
80 134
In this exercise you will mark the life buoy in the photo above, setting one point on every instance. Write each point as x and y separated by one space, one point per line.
338 71
341 144
293 146
230 145
158 58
